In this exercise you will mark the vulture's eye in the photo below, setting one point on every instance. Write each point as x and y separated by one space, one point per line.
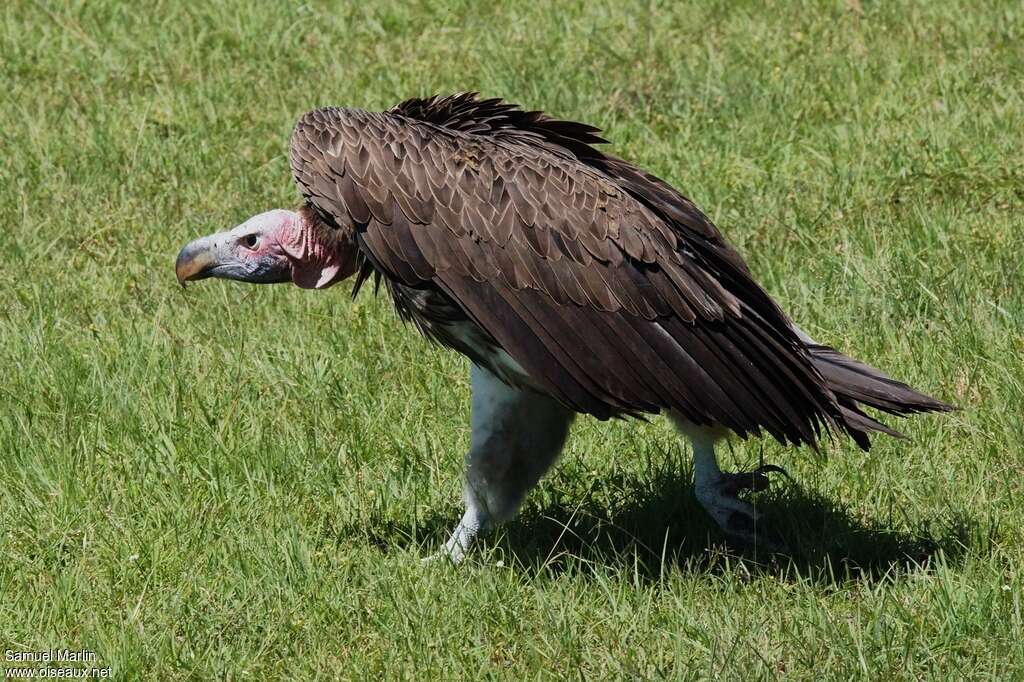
251 240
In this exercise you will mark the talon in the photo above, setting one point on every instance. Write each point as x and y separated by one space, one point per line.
736 517
756 480
772 469
718 492
732 484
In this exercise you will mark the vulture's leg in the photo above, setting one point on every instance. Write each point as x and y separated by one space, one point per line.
718 491
516 435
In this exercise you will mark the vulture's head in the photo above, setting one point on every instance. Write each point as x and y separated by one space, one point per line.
276 246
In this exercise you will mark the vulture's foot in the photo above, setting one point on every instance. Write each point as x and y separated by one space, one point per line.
450 553
739 518
461 540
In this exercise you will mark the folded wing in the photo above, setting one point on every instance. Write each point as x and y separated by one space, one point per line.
607 286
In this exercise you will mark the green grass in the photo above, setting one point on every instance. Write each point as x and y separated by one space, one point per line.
238 482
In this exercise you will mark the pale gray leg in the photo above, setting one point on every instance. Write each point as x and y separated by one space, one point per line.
516 436
718 491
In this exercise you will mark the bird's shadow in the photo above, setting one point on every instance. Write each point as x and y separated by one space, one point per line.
653 524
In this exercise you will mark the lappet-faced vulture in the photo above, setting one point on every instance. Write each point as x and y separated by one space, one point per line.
574 281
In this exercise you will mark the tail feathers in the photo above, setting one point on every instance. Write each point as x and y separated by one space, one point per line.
859 425
856 384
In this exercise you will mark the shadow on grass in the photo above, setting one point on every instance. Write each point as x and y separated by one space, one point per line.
662 527
655 524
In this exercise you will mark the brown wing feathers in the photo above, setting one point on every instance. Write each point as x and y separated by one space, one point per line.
612 290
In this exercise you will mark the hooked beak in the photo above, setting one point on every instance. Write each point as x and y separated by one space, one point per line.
196 260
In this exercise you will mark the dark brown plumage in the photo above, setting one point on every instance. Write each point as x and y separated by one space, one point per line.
612 291
573 280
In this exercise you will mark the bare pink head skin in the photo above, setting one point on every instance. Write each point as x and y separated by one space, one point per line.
272 247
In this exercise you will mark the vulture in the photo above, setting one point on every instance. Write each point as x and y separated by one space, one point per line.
573 280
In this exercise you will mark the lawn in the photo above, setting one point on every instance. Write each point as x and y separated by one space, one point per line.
239 482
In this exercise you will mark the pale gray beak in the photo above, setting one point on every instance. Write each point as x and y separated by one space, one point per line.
197 259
